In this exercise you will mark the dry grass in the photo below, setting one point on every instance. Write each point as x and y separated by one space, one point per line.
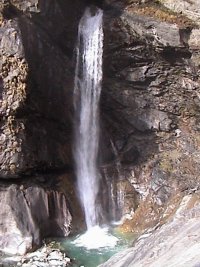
146 216
156 10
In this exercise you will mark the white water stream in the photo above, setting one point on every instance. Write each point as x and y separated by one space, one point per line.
87 89
88 78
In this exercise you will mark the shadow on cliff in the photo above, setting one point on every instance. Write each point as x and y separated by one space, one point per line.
47 110
48 35
125 136
131 117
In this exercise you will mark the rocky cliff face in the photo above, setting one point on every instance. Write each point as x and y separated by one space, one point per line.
36 46
150 111
30 212
36 42
150 101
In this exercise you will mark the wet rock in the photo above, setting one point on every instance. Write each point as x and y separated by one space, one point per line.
117 195
150 91
156 93
150 103
30 213
130 156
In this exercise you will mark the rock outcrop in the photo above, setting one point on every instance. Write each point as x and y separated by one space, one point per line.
174 244
150 112
46 256
28 214
36 81
150 102
36 84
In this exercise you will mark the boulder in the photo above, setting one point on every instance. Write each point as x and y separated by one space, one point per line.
29 213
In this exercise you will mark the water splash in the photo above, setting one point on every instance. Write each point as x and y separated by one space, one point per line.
96 238
87 89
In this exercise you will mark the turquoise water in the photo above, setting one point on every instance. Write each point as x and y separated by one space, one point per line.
89 258
93 257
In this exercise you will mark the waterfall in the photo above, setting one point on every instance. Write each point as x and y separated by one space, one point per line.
87 89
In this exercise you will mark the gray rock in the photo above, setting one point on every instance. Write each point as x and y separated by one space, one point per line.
29 214
152 120
194 41
44 257
55 263
174 244
151 89
10 37
28 6
36 42
55 255
161 33
188 8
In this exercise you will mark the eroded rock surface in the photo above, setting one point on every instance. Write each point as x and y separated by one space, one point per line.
28 213
36 81
174 244
150 103
36 42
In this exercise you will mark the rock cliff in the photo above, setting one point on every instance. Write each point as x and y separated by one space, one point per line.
150 100
29 213
150 108
150 111
36 81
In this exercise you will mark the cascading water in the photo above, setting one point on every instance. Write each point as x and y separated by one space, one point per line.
98 243
88 78
87 89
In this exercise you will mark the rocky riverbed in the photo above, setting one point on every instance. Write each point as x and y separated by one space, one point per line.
44 257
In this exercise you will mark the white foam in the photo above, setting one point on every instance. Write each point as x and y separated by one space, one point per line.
87 90
96 238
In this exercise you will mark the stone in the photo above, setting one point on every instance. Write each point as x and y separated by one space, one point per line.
11 40
55 262
25 63
194 41
152 120
30 214
55 255
160 32
149 110
173 244
149 104
41 258
188 8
